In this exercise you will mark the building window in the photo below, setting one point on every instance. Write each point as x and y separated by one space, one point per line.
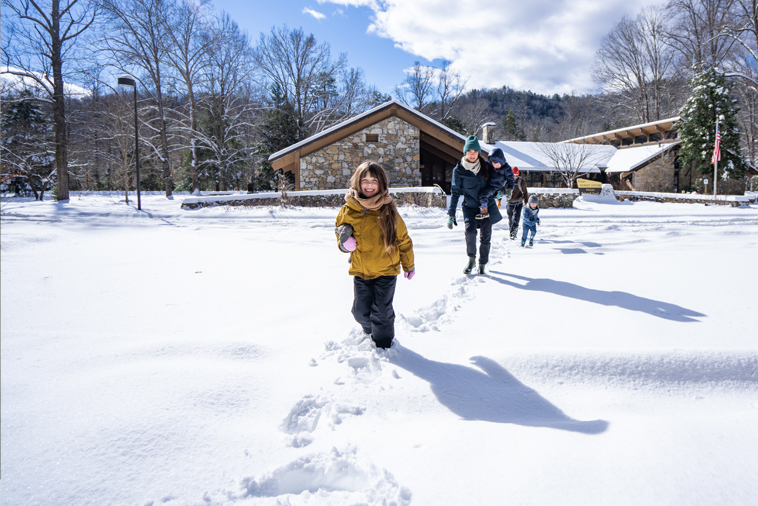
372 137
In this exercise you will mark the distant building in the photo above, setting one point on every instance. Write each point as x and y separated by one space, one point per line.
419 151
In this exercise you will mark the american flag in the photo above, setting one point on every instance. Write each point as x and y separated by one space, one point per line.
717 148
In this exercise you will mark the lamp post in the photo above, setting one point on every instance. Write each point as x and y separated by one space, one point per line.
128 81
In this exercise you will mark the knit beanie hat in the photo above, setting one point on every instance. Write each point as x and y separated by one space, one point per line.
515 171
471 143
534 199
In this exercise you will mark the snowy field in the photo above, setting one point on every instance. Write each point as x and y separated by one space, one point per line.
170 357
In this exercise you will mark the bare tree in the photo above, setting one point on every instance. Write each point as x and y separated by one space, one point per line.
473 115
116 135
696 29
417 89
570 160
634 63
342 98
299 66
450 87
188 50
226 105
40 37
136 41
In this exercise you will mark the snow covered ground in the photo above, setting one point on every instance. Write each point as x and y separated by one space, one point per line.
170 357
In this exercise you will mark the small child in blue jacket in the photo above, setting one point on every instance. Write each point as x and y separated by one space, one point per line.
530 219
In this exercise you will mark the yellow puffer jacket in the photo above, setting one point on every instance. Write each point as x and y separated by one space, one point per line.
369 260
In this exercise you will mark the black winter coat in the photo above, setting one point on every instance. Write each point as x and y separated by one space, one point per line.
499 180
470 186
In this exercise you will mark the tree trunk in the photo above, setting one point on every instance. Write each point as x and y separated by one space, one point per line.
59 106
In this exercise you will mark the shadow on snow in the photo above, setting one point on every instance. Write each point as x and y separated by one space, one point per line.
490 394
623 300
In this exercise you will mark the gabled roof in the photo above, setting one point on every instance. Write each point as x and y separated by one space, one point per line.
361 121
663 125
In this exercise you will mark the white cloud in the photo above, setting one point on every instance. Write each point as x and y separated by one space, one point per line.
547 46
313 13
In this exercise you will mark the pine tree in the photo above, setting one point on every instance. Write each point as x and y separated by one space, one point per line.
513 131
277 131
28 152
710 99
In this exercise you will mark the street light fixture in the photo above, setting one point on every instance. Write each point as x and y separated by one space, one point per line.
128 81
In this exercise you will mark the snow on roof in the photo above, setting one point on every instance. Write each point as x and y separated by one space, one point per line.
533 156
627 159
338 126
17 83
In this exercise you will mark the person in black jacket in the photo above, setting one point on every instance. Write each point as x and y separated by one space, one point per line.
473 179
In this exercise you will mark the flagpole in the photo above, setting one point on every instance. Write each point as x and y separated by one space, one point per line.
716 164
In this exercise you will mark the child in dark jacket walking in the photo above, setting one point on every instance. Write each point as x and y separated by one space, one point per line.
371 229
531 219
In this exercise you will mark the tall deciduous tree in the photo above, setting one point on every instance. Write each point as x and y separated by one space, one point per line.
40 37
136 41
417 89
189 48
300 67
695 30
226 105
635 65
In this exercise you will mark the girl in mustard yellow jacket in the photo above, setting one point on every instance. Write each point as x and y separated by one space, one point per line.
372 231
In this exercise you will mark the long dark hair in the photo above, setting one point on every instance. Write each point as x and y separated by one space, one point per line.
388 212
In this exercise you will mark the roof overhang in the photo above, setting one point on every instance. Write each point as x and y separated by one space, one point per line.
619 134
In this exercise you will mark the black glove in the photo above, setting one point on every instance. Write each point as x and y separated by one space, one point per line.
451 221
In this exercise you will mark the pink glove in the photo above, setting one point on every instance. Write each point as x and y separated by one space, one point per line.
409 275
350 244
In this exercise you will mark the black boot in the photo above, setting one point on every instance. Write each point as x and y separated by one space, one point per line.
470 266
481 268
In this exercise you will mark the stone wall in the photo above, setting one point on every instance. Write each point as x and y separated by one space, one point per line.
657 176
397 150
555 199
402 196
687 198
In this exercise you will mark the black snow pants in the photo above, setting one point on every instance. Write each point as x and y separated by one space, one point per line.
372 308
514 216
485 237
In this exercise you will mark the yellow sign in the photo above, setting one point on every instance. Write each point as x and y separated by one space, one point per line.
588 186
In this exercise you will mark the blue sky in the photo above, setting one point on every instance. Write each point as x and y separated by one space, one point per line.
546 46
343 27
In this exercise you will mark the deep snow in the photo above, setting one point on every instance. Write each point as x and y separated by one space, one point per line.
209 357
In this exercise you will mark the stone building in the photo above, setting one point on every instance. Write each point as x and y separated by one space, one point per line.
414 149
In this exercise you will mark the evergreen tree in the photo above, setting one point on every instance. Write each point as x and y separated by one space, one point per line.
711 99
278 130
513 131
28 152
454 123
